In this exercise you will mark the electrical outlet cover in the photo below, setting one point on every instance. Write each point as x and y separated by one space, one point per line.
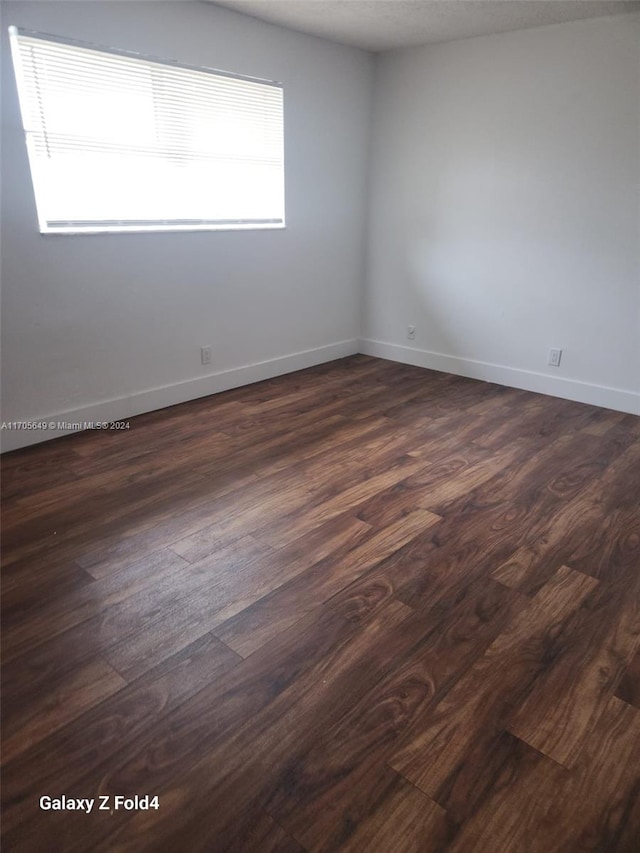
555 355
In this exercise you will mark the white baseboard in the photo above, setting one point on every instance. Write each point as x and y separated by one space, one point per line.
122 408
556 386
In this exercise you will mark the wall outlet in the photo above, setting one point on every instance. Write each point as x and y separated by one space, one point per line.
205 355
554 357
411 333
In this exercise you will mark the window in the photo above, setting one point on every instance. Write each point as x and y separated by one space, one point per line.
118 142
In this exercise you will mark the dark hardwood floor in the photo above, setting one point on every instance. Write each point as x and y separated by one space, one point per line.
362 607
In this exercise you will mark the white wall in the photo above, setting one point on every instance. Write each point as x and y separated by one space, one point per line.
93 326
505 214
503 207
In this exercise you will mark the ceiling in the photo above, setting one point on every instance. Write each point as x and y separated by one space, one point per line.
386 24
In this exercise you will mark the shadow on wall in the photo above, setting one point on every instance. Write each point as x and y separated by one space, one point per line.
468 303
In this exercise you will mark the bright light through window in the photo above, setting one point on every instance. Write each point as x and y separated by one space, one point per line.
120 143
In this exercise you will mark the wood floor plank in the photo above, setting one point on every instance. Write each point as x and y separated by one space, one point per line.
536 418
467 792
562 710
136 631
478 706
309 518
602 420
594 806
395 816
128 473
576 524
22 528
214 590
482 527
298 416
140 632
29 471
283 607
26 582
318 787
70 607
316 680
319 438
31 718
364 606
184 736
629 685
258 832
72 529
232 508
109 727
613 551
277 733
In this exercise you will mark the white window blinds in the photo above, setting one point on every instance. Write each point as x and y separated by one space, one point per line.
118 142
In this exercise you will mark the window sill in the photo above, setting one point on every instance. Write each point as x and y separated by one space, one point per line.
165 229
